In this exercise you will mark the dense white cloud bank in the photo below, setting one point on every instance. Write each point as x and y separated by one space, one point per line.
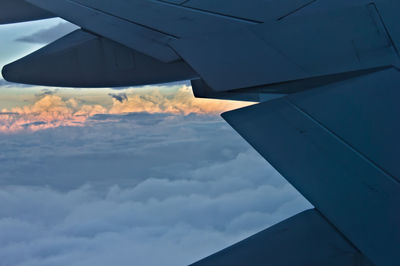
136 189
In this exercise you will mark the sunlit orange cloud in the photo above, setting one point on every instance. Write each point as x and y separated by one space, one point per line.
181 102
50 111
47 112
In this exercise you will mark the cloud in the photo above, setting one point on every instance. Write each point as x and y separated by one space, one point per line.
119 191
155 172
8 113
120 97
47 112
48 35
45 92
178 102
51 110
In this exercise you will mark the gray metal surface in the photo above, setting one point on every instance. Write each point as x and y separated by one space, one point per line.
389 12
338 146
257 11
230 53
349 39
81 59
137 37
306 239
12 11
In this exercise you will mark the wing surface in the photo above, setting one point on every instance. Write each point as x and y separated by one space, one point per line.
12 11
115 27
256 11
275 49
338 145
82 59
305 239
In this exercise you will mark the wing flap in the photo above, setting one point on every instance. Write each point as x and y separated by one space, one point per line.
210 54
81 59
337 41
355 189
349 39
305 239
202 90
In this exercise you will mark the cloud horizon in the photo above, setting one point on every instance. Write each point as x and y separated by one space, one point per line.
50 110
134 189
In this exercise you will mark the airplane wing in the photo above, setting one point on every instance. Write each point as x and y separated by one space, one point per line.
305 239
325 74
337 144
12 11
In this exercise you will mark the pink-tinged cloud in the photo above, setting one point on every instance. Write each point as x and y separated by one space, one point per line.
47 112
50 111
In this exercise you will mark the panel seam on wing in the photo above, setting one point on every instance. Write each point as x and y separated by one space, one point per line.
208 12
124 19
341 140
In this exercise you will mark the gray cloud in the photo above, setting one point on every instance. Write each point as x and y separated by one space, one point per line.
48 35
121 191
45 92
8 113
121 97
36 123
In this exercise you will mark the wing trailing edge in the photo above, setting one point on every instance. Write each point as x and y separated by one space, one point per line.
305 239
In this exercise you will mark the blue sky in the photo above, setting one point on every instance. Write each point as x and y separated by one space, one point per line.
141 176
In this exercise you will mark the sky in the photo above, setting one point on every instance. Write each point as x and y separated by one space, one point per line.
133 176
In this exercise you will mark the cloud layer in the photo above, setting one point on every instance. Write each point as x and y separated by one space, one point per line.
51 110
135 189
